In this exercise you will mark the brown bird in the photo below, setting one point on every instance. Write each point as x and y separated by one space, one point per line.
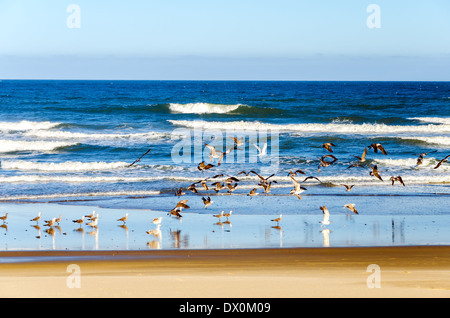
277 219
192 188
374 172
237 142
182 205
179 192
376 147
324 163
351 207
349 188
175 212
204 185
207 202
363 156
219 186
202 166
312 177
399 179
441 162
421 155
243 172
36 219
252 193
263 180
124 219
79 221
3 218
295 173
328 146
231 187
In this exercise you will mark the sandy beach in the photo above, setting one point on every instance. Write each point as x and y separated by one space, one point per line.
411 271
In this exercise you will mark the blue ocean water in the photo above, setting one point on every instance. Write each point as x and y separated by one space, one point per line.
75 140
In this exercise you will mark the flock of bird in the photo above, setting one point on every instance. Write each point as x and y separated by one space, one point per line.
231 182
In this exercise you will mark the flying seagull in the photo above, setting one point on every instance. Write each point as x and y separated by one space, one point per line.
441 162
349 188
297 188
363 156
262 151
398 178
351 207
376 147
328 146
207 202
374 172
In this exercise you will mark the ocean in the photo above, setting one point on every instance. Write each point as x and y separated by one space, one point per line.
73 142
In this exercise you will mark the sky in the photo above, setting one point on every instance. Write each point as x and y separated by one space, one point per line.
225 39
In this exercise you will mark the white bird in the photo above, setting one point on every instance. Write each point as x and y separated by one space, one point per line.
297 188
50 222
157 220
57 220
94 222
326 216
155 232
263 151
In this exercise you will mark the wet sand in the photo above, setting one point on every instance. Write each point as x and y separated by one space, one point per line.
406 271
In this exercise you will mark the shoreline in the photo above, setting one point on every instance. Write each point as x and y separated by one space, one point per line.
405 271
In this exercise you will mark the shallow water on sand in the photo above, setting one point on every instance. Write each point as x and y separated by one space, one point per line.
203 231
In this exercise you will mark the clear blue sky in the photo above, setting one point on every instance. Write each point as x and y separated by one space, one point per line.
225 39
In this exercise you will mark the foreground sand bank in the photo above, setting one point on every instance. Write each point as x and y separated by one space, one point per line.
412 271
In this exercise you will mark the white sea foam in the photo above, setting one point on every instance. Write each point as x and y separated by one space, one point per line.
19 145
433 120
78 195
202 108
27 125
313 128
62 166
443 141
95 136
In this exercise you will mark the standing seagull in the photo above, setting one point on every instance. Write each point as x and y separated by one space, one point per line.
50 222
219 216
351 207
124 219
277 219
157 220
79 221
3 218
36 219
326 216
